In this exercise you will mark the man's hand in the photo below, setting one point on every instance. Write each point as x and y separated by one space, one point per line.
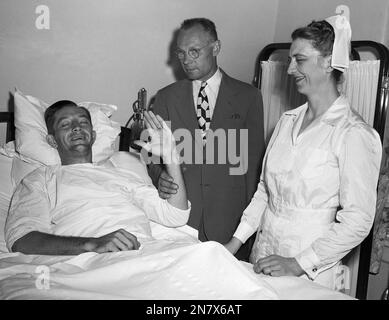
119 240
233 245
277 266
162 142
166 185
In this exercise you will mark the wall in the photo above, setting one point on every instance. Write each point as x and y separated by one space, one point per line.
369 19
105 51
100 50
386 28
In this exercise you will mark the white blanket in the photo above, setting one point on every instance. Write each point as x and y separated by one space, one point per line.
175 266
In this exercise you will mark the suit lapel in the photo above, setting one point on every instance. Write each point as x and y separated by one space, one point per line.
224 102
185 106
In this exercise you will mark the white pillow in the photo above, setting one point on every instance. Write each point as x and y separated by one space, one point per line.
31 131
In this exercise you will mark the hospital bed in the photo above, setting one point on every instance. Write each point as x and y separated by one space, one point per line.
372 89
175 265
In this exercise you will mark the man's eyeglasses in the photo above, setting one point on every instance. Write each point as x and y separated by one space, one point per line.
194 53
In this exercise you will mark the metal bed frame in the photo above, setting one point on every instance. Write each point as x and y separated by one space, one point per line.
382 103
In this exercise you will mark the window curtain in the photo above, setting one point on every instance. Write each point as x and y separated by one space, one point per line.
279 94
360 87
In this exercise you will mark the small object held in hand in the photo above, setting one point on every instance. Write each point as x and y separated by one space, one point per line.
138 125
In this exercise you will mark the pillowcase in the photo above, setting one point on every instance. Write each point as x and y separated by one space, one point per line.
31 131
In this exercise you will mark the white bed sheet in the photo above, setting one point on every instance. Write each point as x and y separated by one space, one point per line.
174 266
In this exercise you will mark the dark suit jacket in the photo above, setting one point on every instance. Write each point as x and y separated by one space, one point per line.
217 197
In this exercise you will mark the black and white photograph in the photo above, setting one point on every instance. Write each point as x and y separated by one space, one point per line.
194 157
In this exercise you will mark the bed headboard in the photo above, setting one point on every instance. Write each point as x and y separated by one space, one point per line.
8 118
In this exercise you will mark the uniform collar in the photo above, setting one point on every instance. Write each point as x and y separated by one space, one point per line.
338 110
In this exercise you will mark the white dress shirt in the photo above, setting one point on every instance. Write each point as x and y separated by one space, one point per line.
305 178
212 90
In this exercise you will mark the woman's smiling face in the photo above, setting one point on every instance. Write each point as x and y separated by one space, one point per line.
307 66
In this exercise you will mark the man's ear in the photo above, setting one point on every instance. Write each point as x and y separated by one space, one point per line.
51 141
93 136
216 48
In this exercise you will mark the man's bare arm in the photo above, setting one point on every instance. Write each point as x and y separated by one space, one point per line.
37 242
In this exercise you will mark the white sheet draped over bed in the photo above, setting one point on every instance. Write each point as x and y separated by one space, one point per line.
174 266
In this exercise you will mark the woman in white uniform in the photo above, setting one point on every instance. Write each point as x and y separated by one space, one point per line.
316 197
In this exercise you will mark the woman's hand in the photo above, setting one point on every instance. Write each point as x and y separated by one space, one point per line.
233 245
278 266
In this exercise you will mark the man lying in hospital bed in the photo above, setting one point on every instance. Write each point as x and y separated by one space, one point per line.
79 207
169 263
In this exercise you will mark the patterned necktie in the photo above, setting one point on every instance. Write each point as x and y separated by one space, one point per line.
203 111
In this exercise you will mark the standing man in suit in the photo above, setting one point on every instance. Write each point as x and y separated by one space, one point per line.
209 101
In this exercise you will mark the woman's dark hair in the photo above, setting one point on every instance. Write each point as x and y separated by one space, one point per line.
52 110
322 36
